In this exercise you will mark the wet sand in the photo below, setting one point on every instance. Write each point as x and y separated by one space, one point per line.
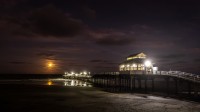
23 97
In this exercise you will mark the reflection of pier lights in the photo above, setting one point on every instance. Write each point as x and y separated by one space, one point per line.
75 82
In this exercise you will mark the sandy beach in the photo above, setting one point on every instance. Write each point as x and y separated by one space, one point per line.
22 97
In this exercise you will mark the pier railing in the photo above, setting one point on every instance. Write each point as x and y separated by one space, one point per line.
178 74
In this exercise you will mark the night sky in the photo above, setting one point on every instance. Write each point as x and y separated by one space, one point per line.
97 35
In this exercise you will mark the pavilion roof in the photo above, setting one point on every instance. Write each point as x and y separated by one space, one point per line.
136 60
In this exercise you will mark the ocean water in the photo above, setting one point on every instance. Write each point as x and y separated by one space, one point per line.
48 82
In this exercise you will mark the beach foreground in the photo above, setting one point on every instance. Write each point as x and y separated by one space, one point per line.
55 98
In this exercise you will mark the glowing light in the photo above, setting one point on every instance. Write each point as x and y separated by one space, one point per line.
155 68
49 83
50 65
65 83
84 73
134 65
72 83
122 66
85 84
147 63
128 65
77 74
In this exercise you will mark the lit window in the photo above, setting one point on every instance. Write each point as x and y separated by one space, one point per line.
134 65
131 68
122 66
142 68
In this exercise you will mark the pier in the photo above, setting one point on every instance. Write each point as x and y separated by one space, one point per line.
165 83
138 74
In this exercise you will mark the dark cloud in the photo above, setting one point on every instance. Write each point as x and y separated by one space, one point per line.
116 41
73 64
9 3
50 21
10 28
98 61
103 62
90 13
111 37
18 62
173 56
48 56
47 21
197 60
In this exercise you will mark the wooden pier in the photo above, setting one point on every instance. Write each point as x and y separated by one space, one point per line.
167 85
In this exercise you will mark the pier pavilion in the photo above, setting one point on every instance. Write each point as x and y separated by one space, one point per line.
137 64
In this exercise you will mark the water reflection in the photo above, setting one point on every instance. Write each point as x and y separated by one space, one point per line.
72 82
49 83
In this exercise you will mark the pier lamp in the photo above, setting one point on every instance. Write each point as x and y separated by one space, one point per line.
147 63
84 72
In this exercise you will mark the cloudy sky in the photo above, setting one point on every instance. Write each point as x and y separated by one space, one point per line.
97 35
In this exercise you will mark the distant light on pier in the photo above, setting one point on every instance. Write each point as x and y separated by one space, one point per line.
77 74
148 63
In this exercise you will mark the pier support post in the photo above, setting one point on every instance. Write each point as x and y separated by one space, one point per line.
115 83
133 82
139 84
189 88
167 85
195 89
176 85
145 84
152 84
120 83
130 83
